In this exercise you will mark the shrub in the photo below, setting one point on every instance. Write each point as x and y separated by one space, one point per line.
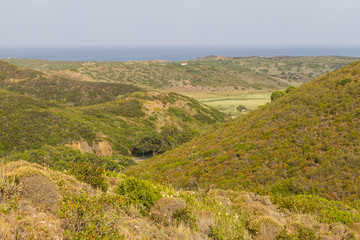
343 82
91 174
184 215
289 89
139 193
277 94
328 211
9 192
89 217
164 209
215 233
302 234
240 108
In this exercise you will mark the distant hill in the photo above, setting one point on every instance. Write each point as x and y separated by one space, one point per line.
58 87
305 142
207 75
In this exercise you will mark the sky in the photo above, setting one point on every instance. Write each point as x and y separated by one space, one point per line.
179 23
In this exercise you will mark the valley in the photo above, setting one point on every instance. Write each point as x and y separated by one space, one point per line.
211 79
221 156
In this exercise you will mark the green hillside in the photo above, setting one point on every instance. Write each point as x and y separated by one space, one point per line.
306 142
123 119
28 123
58 87
300 152
140 123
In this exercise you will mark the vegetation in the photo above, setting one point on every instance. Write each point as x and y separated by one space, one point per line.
58 87
127 123
303 143
138 193
86 217
277 94
62 158
219 74
84 213
241 108
29 123
297 157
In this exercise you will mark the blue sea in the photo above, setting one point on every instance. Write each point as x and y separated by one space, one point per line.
171 53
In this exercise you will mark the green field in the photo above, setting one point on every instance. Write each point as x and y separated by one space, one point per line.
228 103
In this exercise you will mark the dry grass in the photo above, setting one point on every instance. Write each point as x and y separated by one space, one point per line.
234 214
65 184
41 192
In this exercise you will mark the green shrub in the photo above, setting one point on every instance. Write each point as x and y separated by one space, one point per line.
343 82
240 108
215 233
91 174
184 215
277 94
289 89
90 217
139 193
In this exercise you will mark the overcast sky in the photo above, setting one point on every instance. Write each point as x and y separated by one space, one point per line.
180 22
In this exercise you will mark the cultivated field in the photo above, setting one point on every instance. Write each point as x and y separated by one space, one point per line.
228 103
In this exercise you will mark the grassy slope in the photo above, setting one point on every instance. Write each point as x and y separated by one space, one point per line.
305 142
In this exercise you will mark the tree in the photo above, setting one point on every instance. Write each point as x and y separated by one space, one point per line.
240 108
277 94
150 141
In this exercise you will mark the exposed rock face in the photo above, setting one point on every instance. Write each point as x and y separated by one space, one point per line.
102 148
83 146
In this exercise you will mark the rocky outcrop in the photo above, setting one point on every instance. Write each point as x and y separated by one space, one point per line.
102 148
83 146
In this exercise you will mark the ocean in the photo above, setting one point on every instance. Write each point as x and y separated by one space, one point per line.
171 53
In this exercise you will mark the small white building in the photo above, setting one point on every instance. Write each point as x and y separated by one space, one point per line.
184 64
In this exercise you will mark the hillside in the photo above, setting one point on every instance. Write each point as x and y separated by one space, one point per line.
306 142
292 70
110 118
58 87
206 75
41 203
140 123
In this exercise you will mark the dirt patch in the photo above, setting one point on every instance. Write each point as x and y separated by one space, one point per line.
41 192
